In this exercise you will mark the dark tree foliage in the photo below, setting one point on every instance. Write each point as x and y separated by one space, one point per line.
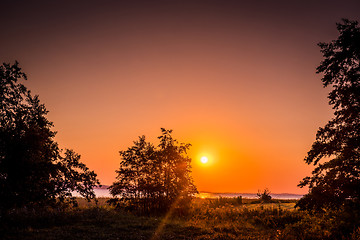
154 179
335 181
33 170
264 195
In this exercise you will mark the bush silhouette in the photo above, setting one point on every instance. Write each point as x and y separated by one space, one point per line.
264 195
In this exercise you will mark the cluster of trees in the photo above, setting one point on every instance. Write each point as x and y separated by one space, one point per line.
34 171
154 178
335 181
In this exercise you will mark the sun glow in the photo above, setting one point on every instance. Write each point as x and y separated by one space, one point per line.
204 159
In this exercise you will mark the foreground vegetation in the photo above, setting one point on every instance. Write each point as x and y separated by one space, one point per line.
223 218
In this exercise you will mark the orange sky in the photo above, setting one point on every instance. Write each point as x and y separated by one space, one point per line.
235 80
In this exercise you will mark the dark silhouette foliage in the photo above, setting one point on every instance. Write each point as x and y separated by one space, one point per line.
33 170
264 195
335 181
154 179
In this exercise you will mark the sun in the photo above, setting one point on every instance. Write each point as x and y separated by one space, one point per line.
204 159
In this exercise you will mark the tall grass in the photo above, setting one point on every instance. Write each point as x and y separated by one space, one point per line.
222 218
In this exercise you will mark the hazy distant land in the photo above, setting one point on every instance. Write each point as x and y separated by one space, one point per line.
104 192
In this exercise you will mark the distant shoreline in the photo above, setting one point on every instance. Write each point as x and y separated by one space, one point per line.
250 195
104 192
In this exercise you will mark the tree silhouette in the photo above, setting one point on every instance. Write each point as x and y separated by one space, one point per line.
336 179
153 179
33 170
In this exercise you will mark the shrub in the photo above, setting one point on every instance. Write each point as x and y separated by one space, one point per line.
264 195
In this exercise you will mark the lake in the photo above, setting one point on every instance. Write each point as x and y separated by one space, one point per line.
103 192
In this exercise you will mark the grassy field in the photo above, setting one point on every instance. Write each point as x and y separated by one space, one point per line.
207 219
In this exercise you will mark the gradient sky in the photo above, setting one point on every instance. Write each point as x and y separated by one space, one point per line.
236 79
